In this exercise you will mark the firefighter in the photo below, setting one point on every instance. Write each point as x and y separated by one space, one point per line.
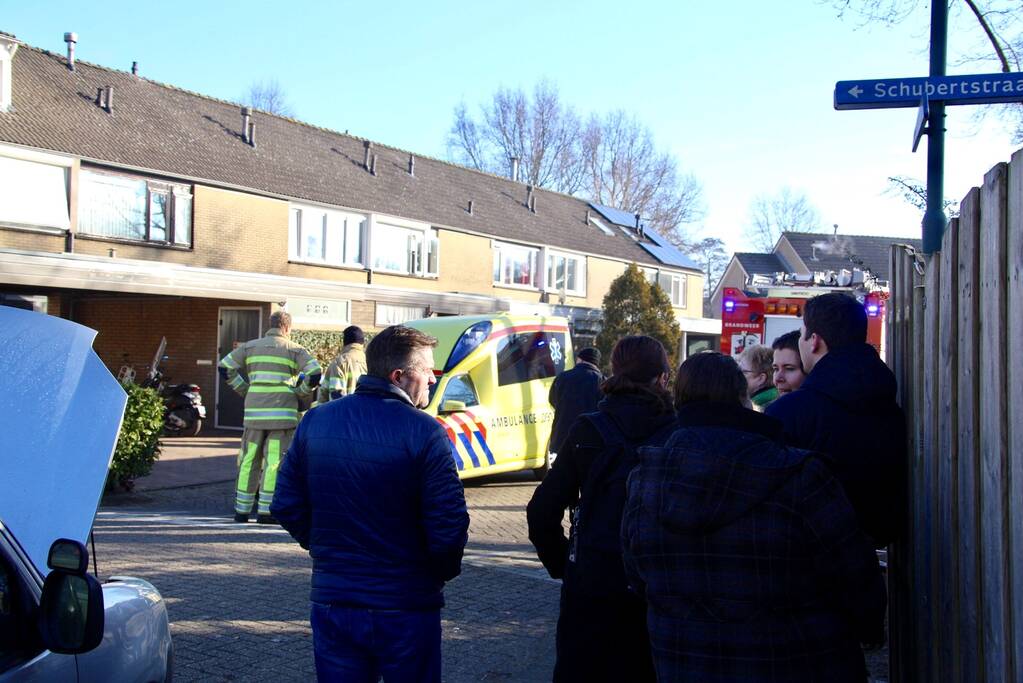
345 370
271 373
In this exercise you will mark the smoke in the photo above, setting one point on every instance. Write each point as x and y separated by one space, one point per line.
842 247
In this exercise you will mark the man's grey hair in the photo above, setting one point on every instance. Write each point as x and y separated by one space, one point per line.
280 319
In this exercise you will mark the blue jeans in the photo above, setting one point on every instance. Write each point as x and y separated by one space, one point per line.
354 644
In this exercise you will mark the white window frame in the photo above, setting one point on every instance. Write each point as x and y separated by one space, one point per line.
580 288
538 268
679 280
179 195
47 208
423 256
335 227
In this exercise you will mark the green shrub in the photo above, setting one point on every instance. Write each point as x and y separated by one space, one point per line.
138 445
323 344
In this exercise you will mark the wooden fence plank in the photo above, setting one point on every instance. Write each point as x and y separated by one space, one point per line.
927 498
1014 405
901 620
993 428
947 541
967 432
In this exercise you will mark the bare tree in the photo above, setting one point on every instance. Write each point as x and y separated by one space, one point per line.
541 132
999 32
610 159
770 216
624 169
711 255
915 193
268 96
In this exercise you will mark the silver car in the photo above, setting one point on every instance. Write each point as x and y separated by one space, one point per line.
61 413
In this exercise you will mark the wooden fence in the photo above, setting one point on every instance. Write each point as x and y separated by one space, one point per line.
955 343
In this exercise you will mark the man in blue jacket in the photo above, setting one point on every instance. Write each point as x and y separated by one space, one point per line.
369 488
846 409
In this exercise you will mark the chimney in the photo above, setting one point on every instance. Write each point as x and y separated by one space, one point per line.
373 164
365 160
134 68
252 134
246 114
8 46
470 207
515 169
71 38
411 165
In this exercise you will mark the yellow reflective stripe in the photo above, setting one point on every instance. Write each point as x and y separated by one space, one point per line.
229 362
276 360
270 389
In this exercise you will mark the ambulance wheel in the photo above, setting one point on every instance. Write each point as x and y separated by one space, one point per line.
540 472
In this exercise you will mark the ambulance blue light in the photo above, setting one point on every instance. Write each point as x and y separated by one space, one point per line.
468 342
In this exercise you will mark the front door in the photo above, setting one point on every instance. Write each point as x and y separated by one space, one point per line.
237 325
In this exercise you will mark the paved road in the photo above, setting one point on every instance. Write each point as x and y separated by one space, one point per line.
238 594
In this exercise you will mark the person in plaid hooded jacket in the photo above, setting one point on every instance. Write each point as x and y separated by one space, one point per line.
747 551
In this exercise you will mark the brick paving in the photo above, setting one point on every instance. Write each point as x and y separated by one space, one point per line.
237 594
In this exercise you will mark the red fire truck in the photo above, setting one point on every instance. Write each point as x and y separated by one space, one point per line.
770 306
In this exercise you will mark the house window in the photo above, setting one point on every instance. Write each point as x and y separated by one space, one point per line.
516 265
674 286
405 250
324 236
33 194
133 208
565 273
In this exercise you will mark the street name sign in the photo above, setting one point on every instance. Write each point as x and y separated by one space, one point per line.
887 93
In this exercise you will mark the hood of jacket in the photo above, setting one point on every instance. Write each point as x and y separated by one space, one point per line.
721 462
637 415
854 377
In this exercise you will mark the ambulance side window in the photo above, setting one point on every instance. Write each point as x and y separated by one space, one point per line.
531 355
460 388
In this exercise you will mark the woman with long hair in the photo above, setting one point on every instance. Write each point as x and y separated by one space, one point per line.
601 633
747 551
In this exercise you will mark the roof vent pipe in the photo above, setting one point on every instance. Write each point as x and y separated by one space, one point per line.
109 99
365 160
587 216
246 114
639 226
373 164
532 204
515 169
470 207
529 194
71 38
411 165
101 97
252 134
134 68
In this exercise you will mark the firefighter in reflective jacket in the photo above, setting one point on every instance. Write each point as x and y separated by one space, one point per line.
268 372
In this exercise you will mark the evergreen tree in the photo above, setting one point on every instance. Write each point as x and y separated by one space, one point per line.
634 306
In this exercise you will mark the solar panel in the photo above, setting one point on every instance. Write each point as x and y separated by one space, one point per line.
617 216
669 256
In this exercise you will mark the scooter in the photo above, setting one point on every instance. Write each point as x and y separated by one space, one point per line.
183 411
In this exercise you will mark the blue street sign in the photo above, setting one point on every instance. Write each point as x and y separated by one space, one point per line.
908 92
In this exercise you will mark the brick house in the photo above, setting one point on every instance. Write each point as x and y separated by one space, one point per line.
147 211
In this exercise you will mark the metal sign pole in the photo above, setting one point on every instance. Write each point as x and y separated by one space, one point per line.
934 220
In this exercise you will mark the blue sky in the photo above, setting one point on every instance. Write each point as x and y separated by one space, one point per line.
740 92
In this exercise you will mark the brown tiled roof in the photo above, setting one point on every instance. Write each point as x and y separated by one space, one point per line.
181 133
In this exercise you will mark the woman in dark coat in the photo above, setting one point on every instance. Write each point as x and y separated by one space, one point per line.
601 632
747 551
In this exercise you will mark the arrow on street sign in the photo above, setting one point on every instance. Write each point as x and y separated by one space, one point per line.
908 92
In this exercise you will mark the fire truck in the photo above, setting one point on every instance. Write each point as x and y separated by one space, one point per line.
772 305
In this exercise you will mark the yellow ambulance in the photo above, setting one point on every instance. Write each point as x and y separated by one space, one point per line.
494 373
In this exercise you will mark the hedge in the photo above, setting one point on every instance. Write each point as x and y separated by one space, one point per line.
138 445
323 344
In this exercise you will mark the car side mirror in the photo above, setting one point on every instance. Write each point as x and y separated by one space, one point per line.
71 616
452 406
